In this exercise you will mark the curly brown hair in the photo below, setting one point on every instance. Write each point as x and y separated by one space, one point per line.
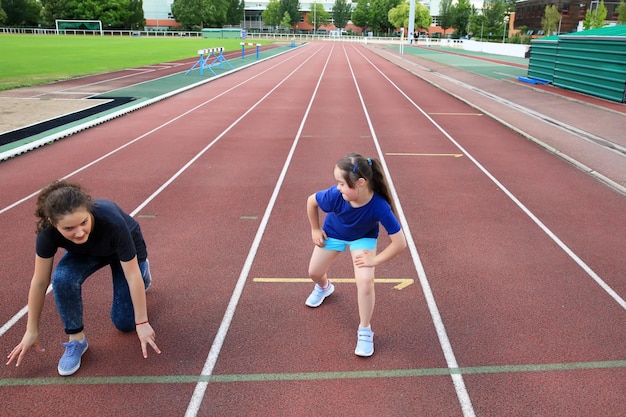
58 199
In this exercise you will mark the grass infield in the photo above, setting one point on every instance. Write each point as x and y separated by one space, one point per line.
29 60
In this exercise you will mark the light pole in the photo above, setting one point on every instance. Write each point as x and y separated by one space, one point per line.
506 19
315 18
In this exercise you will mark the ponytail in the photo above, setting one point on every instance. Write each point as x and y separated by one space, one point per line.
356 166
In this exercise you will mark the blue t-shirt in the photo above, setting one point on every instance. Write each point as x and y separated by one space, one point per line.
115 235
349 223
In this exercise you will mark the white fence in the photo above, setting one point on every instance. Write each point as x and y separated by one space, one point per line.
507 49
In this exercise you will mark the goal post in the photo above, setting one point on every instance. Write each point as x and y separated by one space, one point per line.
78 25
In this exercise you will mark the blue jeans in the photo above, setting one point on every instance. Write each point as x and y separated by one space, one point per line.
67 281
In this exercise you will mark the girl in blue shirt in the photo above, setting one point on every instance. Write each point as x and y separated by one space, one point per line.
94 233
354 208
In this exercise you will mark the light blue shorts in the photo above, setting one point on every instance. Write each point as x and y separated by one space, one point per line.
339 245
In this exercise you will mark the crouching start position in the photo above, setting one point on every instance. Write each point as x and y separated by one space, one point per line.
94 233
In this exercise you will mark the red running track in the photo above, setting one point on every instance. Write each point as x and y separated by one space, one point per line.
516 308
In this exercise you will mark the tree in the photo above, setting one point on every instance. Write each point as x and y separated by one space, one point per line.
127 14
595 18
478 24
286 22
495 12
399 15
446 14
462 13
293 8
379 15
341 13
361 14
3 15
200 13
234 14
55 9
87 9
621 13
135 19
116 13
318 16
550 20
271 15
21 12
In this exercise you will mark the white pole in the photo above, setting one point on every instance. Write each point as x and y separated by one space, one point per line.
411 20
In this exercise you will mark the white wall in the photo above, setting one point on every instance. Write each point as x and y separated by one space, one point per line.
507 49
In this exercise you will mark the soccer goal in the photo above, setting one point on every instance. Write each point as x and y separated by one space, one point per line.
76 26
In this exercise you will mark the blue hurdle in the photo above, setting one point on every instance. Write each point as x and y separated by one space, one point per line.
243 48
204 55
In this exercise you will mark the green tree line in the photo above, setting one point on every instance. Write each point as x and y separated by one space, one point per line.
117 14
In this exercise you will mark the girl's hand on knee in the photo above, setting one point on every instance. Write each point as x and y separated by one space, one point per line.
365 259
146 337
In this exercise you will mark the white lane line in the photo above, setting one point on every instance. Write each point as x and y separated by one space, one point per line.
11 322
84 167
125 110
198 394
444 341
610 291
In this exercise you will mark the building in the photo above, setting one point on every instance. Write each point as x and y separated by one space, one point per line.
529 13
158 14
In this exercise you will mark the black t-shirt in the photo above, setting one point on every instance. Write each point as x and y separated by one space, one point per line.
115 235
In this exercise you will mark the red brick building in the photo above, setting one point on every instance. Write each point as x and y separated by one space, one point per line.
530 12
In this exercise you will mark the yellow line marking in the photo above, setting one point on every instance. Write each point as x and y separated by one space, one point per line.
454 155
401 282
458 114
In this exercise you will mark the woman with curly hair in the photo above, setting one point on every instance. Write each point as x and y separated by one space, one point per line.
94 233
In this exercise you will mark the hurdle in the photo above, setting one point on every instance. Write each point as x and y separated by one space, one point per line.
204 55
243 48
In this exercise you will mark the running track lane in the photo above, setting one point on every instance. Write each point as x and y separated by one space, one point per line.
507 294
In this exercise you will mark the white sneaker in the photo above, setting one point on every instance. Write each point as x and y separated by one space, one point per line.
365 342
319 294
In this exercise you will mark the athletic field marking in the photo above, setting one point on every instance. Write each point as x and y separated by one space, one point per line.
165 124
505 74
310 376
11 322
454 155
198 394
444 342
458 114
586 268
401 282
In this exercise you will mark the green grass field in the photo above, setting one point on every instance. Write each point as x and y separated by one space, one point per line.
29 60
